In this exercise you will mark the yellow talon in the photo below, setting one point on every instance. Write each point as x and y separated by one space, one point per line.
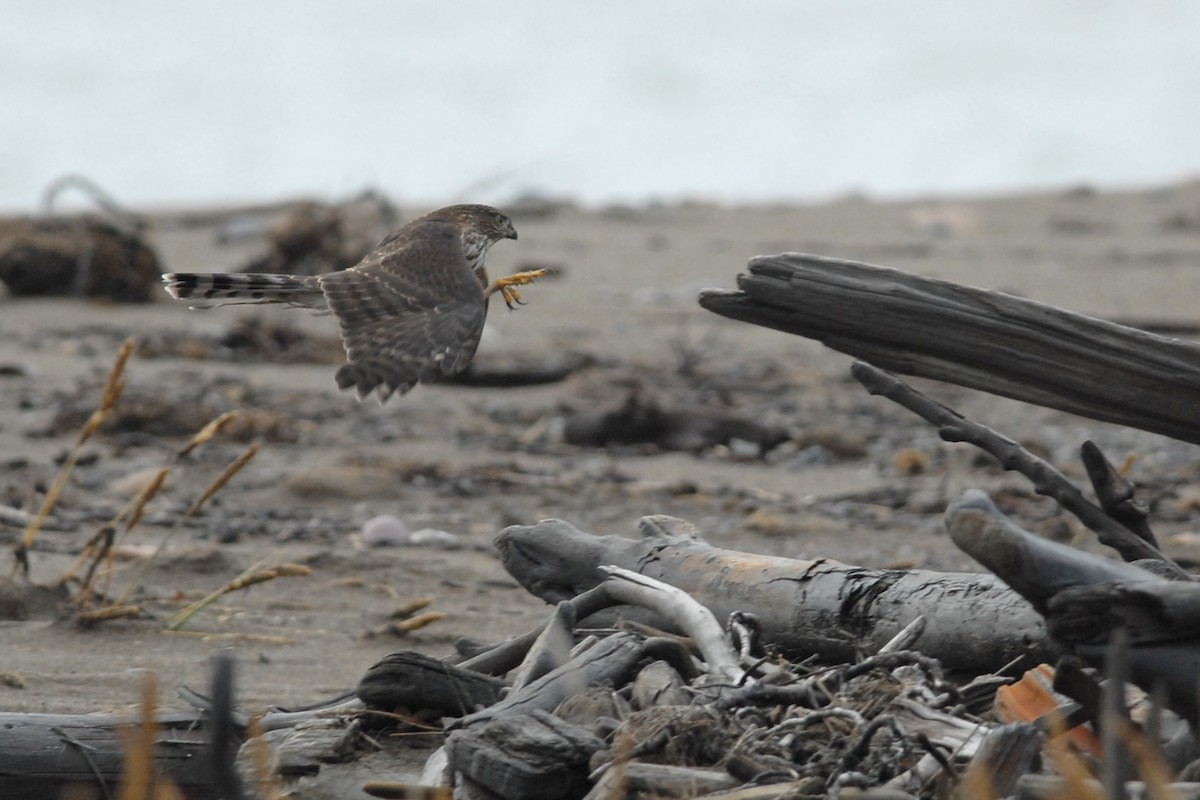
506 286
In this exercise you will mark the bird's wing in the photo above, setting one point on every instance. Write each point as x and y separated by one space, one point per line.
413 307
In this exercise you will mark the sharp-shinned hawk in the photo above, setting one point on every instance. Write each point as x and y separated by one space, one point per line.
412 308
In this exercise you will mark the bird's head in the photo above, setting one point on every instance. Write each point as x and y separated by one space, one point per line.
482 226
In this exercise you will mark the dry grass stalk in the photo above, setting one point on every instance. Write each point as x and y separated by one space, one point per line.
108 401
139 778
624 747
100 546
411 607
138 503
406 624
417 622
222 479
138 774
226 475
136 506
207 432
1077 779
976 784
262 638
248 578
260 752
1151 766
86 619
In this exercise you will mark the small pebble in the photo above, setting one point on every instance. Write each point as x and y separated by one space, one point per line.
435 538
385 529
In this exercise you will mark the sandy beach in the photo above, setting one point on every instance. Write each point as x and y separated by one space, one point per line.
856 479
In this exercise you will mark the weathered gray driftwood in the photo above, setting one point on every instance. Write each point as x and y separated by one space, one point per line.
1086 598
683 612
41 755
612 659
974 337
824 607
533 756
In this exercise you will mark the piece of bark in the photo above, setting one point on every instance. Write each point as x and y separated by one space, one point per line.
534 756
805 607
983 339
417 682
41 755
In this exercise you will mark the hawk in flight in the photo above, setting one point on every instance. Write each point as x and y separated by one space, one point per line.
414 307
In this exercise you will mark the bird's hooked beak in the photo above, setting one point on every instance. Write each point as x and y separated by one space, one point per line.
509 231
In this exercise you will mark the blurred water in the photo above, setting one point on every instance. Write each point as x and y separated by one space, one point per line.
185 102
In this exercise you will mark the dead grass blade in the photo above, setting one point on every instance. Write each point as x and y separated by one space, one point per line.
1078 783
226 475
140 776
207 432
86 619
260 753
100 547
248 578
108 401
222 479
976 784
1151 766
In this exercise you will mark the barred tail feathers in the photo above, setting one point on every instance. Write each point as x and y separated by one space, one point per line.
249 287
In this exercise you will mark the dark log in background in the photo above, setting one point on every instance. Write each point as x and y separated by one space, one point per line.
978 338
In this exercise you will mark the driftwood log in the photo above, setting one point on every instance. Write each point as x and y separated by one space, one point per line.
1086 599
974 337
51 755
974 622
